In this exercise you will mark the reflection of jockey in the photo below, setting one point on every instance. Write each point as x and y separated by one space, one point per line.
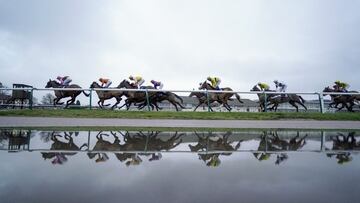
215 82
59 159
138 80
102 158
157 84
214 161
155 157
280 86
135 160
264 86
65 81
341 86
105 82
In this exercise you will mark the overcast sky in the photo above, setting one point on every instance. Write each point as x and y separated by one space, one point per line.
308 44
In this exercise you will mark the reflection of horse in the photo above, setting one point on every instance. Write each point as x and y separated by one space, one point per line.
342 143
145 142
60 145
222 98
105 95
104 145
63 93
213 143
274 143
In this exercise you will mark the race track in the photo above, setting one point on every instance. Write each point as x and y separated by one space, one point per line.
241 124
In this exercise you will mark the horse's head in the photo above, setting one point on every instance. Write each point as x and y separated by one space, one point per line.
203 85
124 84
49 84
255 88
94 85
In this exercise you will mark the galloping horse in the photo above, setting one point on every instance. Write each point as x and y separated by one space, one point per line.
276 100
342 99
135 96
105 95
162 96
222 98
262 97
154 97
63 94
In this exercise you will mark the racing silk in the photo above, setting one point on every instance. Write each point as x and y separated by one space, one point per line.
280 87
263 86
64 80
342 85
157 84
106 82
138 81
215 82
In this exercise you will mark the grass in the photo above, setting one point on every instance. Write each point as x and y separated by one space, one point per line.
86 113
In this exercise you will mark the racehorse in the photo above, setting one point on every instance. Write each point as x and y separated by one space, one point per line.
105 95
63 93
135 96
162 96
276 100
262 97
222 98
344 100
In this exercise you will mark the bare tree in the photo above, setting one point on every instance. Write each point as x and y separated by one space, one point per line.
48 99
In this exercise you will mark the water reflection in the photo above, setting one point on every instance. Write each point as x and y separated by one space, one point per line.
132 148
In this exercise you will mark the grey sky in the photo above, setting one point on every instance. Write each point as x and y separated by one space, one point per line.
308 44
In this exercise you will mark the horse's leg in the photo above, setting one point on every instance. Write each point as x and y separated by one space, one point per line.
302 104
227 106
294 105
99 103
197 106
173 103
118 100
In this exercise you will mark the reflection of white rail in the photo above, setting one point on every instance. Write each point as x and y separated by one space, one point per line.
183 151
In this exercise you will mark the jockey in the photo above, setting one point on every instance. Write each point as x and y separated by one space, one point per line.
138 80
341 86
215 82
264 86
157 84
64 81
280 86
106 82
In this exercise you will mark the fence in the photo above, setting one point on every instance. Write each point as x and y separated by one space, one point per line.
318 95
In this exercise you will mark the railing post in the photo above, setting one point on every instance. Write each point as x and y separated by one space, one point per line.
147 99
31 98
321 101
323 139
265 102
90 99
208 100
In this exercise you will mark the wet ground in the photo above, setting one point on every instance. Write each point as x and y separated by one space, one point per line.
133 166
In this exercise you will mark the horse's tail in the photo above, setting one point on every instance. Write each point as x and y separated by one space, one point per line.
85 93
302 99
177 96
238 98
